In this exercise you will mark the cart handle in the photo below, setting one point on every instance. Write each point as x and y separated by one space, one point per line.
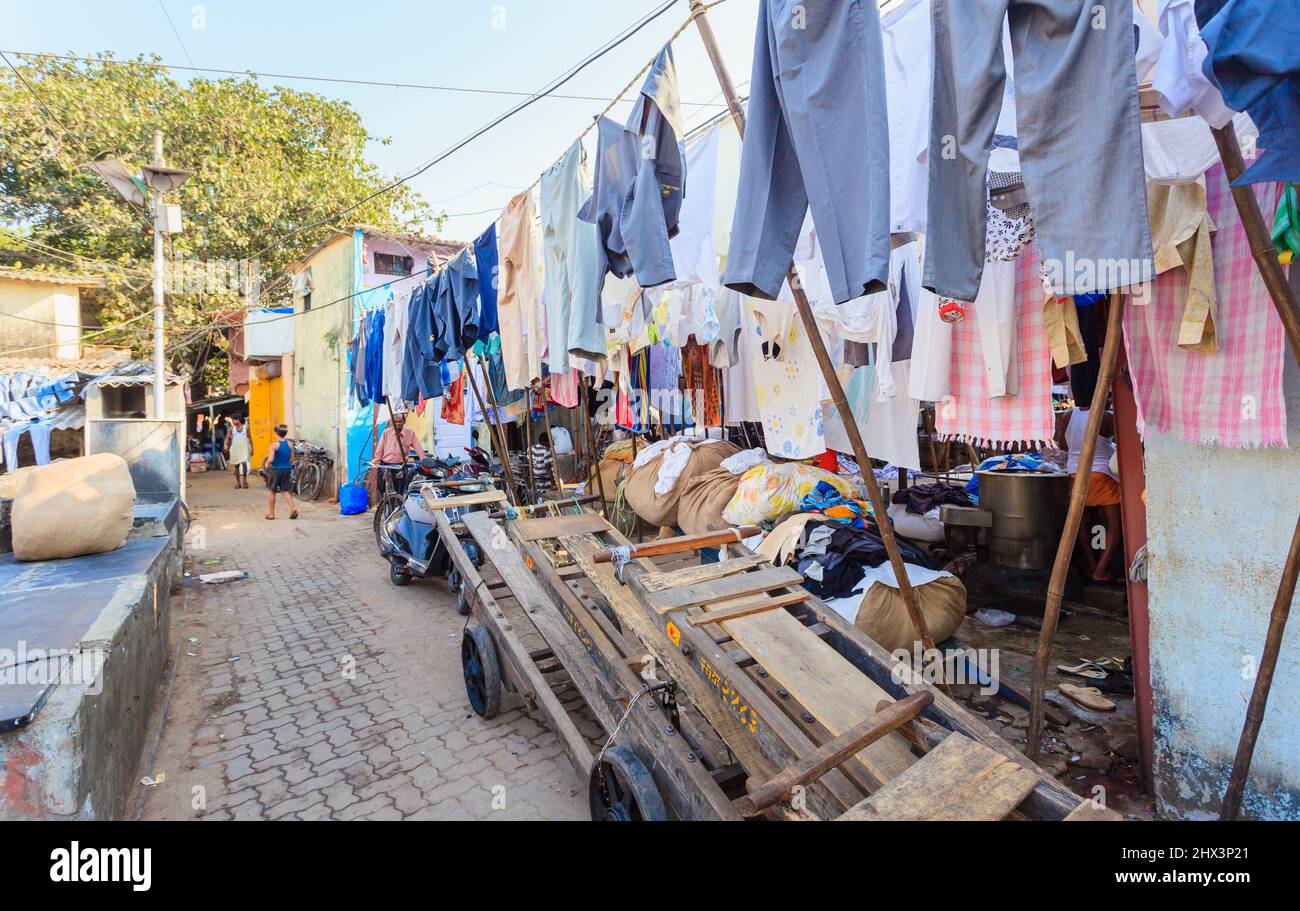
833 752
684 543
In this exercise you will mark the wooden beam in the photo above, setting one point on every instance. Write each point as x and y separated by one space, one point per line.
1073 519
731 610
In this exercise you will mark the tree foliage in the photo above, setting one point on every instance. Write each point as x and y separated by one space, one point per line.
267 161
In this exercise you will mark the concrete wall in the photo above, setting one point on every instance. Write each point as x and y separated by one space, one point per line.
41 304
1219 523
79 757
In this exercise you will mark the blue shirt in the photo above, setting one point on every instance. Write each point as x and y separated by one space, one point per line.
282 455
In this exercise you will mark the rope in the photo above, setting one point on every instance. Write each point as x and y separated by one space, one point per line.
620 556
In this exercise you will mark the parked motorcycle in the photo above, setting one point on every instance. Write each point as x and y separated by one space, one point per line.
408 536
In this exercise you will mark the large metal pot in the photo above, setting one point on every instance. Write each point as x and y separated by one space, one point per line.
1028 510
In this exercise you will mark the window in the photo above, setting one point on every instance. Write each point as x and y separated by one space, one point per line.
306 302
302 376
123 401
390 264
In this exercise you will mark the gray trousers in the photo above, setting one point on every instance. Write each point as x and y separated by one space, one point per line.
817 133
1079 136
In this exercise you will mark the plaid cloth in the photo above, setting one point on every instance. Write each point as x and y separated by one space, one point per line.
1230 398
969 415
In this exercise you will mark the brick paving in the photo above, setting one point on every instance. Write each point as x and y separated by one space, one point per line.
316 689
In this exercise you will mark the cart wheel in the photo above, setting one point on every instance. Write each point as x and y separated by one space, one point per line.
462 603
398 574
454 579
478 658
621 790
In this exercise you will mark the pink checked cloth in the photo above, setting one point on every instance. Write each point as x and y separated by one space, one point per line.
1230 398
970 416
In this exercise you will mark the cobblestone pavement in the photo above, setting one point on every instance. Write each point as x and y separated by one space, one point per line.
316 689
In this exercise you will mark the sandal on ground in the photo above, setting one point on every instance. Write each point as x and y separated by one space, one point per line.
272 518
1087 696
294 514
1090 670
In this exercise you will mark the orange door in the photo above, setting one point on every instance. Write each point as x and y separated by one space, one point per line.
265 411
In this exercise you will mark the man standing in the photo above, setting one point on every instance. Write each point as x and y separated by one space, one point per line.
395 443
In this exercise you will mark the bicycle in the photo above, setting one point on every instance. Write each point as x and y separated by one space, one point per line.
310 469
389 493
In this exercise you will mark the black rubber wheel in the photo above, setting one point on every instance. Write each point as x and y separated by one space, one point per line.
478 659
453 579
397 574
462 602
312 480
387 505
621 790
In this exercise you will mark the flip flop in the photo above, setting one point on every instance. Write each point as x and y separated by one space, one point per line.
294 514
272 518
1087 696
1089 670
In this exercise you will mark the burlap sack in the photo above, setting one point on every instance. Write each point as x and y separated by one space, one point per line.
883 615
73 507
611 472
662 510
703 499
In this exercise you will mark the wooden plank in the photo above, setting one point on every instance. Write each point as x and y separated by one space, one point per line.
434 504
836 693
730 610
556 526
1088 811
704 572
1051 800
960 779
761 580
507 639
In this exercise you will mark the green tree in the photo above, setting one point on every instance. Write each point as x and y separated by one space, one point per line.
267 162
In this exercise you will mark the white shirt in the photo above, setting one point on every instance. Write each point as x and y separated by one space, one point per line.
395 319
908 51
693 258
1179 79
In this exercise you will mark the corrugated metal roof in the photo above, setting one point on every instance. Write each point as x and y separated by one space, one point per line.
51 278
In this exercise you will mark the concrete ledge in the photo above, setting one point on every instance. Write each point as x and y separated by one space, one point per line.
78 757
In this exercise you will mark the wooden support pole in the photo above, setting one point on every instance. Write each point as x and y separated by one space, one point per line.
699 13
1284 301
593 455
1261 242
528 443
683 543
1073 519
1263 682
495 434
832 753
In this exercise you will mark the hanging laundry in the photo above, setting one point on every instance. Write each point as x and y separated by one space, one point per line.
485 261
818 134
1180 151
421 378
1181 229
694 259
1233 397
571 273
453 399
1179 79
519 292
701 382
1080 94
788 390
908 51
374 358
640 177
396 312
456 307
970 415
1253 61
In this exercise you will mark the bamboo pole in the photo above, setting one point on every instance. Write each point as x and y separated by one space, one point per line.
495 433
593 456
1263 682
1284 301
1073 519
700 14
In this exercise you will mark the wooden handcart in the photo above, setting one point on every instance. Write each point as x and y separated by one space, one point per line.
724 690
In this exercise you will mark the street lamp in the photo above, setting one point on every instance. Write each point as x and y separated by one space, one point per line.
159 179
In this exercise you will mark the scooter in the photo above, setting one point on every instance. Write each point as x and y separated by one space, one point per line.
409 539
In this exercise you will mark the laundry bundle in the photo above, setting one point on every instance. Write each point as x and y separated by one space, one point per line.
656 479
703 500
767 492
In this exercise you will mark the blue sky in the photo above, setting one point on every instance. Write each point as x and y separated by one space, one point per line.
515 45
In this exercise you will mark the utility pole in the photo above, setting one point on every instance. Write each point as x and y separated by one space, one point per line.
159 364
